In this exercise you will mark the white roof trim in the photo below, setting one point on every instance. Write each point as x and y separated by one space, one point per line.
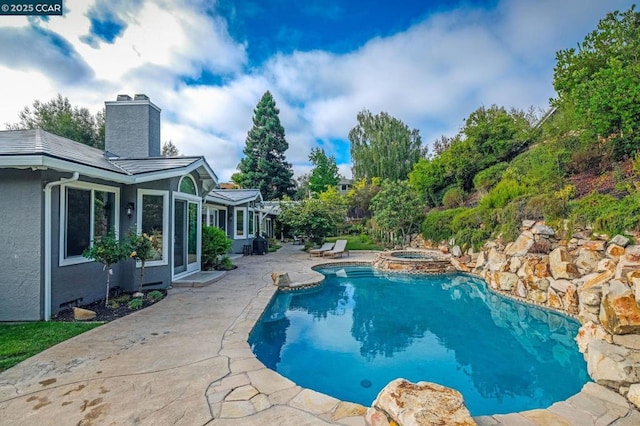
29 161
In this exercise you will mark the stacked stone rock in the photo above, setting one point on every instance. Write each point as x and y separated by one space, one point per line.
591 277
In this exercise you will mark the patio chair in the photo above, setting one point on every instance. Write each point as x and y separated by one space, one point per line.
298 240
339 249
320 251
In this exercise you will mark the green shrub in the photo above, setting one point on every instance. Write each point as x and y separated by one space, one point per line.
226 263
608 214
155 296
437 224
135 303
453 197
215 244
505 191
474 237
486 179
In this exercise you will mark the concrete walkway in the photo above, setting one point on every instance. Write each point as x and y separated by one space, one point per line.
186 361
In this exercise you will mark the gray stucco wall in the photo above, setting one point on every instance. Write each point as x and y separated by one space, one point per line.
20 245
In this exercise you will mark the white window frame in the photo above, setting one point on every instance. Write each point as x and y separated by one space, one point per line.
75 260
192 181
242 236
166 237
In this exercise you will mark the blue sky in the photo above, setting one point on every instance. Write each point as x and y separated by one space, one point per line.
207 63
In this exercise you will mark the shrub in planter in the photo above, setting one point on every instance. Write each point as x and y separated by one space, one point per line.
215 245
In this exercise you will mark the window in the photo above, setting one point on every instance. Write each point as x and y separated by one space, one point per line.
222 220
252 223
153 219
240 223
87 212
187 185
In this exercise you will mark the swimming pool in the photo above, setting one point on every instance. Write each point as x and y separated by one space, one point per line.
363 328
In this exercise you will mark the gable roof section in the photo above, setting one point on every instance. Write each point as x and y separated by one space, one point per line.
234 197
39 148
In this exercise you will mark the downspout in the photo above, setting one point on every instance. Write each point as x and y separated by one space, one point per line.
47 241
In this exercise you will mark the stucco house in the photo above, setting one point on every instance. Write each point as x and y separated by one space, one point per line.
57 195
241 213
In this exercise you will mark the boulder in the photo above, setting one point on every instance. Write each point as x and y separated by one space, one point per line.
634 394
606 264
542 229
538 296
596 279
587 260
570 299
612 365
81 314
496 261
506 281
554 299
614 250
480 260
520 246
515 263
521 290
561 266
422 403
281 279
620 240
620 313
629 263
456 251
594 245
560 286
528 224
590 332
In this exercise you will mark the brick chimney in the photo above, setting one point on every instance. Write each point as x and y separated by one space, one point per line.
132 127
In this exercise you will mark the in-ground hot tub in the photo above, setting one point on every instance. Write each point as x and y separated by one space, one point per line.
415 261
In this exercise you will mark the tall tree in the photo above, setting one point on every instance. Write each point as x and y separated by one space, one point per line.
264 166
383 146
398 209
599 81
59 117
324 173
169 149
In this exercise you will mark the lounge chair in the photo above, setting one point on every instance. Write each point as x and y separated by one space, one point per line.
339 249
320 251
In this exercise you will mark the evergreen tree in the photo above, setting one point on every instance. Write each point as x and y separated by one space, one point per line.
170 150
264 166
325 172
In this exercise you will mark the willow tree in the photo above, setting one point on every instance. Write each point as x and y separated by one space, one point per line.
264 165
383 146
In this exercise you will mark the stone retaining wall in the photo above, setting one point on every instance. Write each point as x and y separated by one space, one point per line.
591 277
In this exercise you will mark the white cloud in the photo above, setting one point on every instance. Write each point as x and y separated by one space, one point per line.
430 76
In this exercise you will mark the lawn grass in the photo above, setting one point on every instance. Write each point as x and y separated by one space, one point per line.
356 242
21 341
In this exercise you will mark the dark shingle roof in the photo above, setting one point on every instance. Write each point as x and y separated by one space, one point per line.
40 142
154 164
236 195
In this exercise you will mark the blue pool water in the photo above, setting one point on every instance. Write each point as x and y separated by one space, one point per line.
362 328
